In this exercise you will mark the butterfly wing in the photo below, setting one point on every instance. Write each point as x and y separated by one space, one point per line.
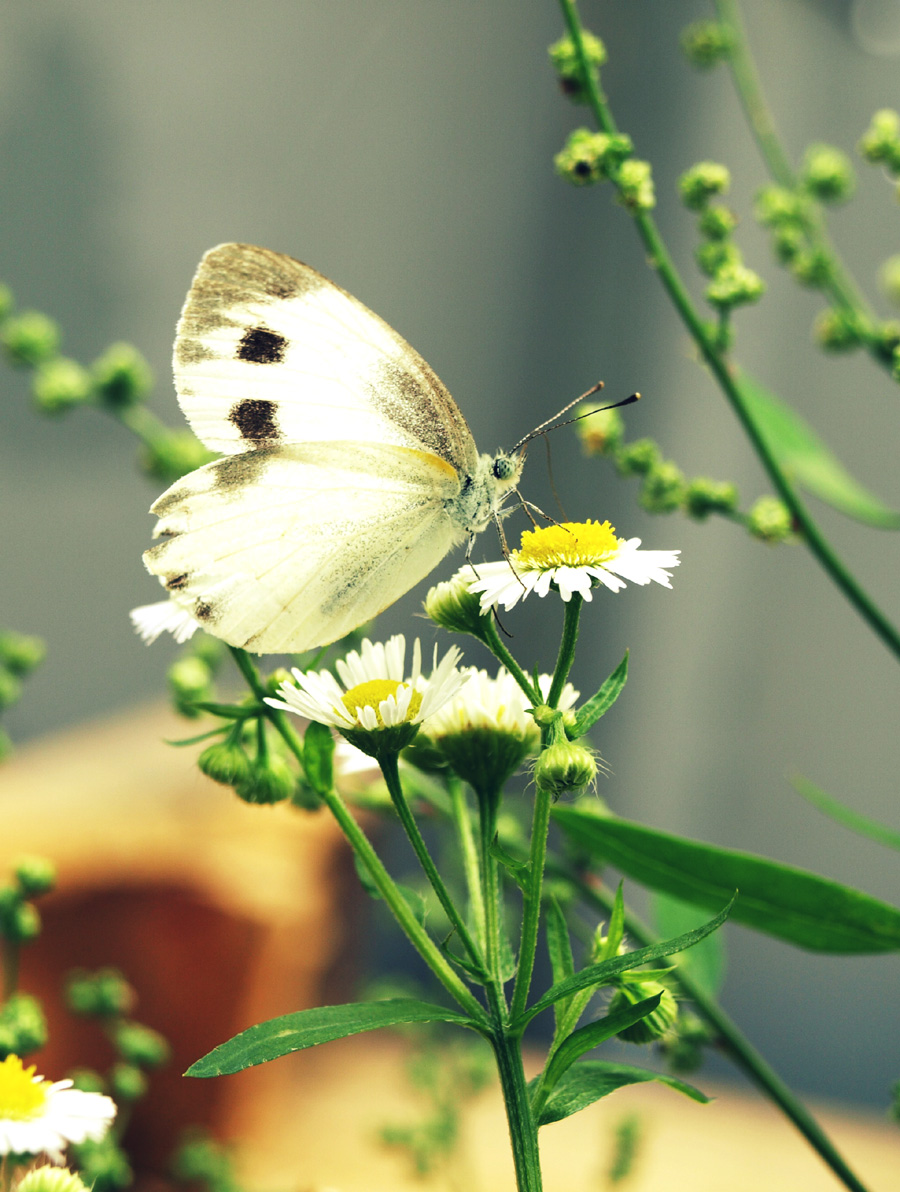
285 548
269 352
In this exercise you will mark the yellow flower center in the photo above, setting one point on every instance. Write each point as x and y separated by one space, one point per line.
569 544
21 1097
371 694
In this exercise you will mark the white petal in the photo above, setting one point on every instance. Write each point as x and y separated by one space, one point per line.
165 616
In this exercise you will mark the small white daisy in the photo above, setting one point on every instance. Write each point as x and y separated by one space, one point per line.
165 616
497 704
376 693
571 557
37 1117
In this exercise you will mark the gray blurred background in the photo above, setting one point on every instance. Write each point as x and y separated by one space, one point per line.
405 149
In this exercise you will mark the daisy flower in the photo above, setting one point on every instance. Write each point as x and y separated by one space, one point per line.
571 557
376 695
494 705
165 616
37 1117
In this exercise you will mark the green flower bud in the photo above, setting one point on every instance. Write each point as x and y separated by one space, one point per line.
173 456
776 206
59 385
837 330
655 1025
269 781
23 1027
34 875
663 489
811 268
736 286
6 301
563 767
698 184
190 680
788 241
225 762
23 924
202 1160
600 430
486 758
705 496
10 689
880 143
87 1080
30 338
707 43
127 1083
50 1179
565 61
717 222
101 994
103 1165
453 606
637 458
770 520
140 1045
591 156
683 1046
827 174
718 256
635 182
121 376
20 653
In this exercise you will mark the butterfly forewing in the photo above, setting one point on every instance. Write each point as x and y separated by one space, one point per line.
269 352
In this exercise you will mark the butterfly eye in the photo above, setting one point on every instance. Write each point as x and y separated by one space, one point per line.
503 467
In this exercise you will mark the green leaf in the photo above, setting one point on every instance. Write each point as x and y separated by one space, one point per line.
588 1081
318 757
807 460
706 961
598 704
596 975
307 1028
846 816
790 904
559 947
586 1038
517 869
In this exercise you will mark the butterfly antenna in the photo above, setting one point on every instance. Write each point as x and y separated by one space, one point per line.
546 426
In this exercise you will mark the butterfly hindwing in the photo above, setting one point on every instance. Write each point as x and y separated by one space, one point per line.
269 352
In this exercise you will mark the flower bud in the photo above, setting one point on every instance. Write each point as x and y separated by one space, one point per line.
103 1165
269 781
811 268
566 63
634 179
190 680
703 180
788 241
663 489
717 222
50 1179
225 762
140 1045
827 174
174 455
707 43
34 875
655 1025
770 520
453 606
705 496
127 1083
121 376
683 1046
600 430
23 924
777 206
718 256
880 143
637 458
563 767
837 330
591 156
59 385
23 1027
30 338
20 653
101 994
736 286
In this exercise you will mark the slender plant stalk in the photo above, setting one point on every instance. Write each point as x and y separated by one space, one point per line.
660 260
491 638
566 655
735 1044
531 911
463 822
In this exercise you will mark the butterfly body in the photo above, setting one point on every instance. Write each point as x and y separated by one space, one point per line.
348 472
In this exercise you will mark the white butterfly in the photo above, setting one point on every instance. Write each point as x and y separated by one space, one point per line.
348 471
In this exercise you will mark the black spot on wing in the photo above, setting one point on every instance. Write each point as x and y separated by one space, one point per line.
173 583
255 419
204 612
258 345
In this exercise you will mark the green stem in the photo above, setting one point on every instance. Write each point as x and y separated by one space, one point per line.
659 259
491 638
566 655
463 821
363 849
389 769
487 824
531 912
738 1047
522 1128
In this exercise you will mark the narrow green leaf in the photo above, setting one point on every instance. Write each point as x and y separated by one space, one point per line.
318 757
706 961
228 711
307 1028
846 816
598 704
790 904
517 869
615 932
809 462
588 1081
559 947
596 975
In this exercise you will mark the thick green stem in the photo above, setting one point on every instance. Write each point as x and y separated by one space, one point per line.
738 1047
522 1127
531 912
660 260
389 769
363 849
